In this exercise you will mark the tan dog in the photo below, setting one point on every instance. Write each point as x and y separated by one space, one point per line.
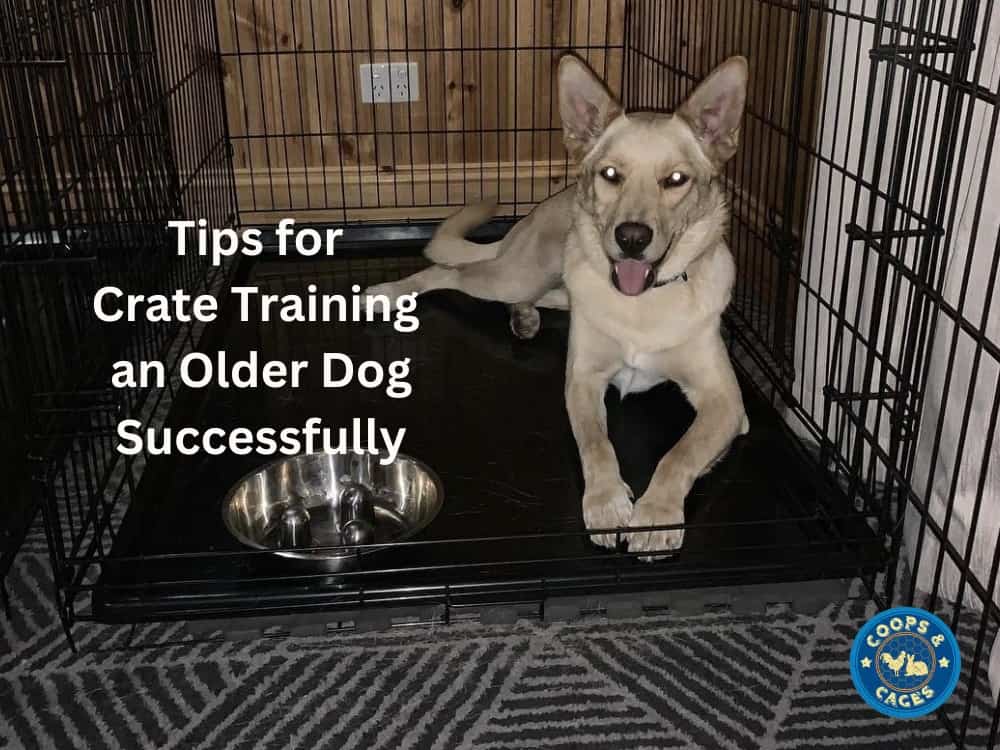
636 249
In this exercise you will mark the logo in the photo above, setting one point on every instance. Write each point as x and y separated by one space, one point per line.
905 662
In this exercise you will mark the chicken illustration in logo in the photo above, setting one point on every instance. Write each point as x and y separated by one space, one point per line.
914 667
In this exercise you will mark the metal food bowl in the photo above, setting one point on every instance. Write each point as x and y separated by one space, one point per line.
327 500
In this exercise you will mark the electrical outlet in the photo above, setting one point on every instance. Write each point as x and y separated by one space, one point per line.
405 82
389 83
374 83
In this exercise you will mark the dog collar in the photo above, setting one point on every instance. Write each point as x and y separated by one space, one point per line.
682 276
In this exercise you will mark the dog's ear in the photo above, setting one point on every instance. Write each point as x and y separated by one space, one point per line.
585 105
715 109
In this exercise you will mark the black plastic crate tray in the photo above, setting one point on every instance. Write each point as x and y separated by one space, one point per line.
487 414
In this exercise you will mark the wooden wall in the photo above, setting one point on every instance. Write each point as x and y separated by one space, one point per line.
486 122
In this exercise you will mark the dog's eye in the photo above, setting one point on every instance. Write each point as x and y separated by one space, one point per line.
676 179
612 175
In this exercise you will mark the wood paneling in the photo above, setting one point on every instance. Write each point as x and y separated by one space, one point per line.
486 122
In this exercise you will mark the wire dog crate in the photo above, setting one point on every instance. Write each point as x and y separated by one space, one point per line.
861 323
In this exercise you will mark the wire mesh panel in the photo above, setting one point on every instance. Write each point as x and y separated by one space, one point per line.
16 508
113 123
864 226
904 244
484 123
868 245
936 242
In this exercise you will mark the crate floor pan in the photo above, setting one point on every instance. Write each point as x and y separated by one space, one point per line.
487 414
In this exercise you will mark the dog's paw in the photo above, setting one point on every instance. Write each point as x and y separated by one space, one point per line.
656 510
607 507
525 320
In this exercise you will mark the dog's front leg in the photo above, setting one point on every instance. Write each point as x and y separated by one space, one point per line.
607 500
720 418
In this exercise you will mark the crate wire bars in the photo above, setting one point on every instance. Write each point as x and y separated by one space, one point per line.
863 228
95 161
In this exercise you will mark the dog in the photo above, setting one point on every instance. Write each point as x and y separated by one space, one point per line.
636 251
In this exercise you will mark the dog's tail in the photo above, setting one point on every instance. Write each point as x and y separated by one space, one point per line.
449 247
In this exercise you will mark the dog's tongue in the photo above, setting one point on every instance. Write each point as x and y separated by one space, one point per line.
632 275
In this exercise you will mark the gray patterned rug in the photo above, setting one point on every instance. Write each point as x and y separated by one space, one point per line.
715 680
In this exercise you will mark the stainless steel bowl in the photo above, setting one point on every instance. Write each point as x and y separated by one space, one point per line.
297 502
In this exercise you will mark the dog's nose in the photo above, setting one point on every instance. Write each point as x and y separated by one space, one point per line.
633 237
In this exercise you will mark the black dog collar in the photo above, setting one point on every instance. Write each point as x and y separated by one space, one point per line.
682 276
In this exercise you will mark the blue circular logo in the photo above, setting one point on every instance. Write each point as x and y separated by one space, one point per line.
905 662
